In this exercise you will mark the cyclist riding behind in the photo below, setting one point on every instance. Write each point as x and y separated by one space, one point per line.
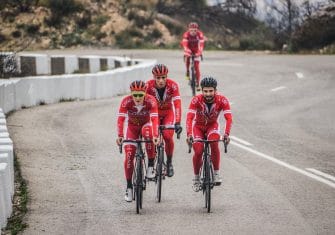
193 43
140 110
202 121
166 92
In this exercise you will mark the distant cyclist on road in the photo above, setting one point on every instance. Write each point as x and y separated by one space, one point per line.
202 121
166 92
193 43
140 110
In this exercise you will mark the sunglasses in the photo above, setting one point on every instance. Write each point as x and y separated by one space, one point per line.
138 95
161 77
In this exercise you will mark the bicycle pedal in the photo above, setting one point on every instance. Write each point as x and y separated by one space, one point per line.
217 184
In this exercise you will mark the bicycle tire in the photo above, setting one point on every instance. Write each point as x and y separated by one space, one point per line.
193 79
208 185
138 185
160 161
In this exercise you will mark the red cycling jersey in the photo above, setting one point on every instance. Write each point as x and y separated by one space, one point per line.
171 99
194 43
138 115
199 114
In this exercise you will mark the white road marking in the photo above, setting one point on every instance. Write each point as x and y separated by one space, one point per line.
299 75
284 164
278 88
225 64
320 173
240 140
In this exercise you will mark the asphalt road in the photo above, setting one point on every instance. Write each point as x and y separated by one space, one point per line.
282 137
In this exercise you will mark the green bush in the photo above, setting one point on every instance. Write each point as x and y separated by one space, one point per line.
173 28
101 20
100 35
156 34
16 33
32 29
61 8
71 39
259 39
84 20
127 38
64 7
140 21
2 38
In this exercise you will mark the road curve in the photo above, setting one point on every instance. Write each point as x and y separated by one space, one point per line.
283 111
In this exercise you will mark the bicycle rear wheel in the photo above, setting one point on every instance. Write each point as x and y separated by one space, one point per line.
159 167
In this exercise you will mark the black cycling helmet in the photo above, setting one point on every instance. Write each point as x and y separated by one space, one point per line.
208 82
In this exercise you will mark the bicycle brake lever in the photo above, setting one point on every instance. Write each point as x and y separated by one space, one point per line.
225 146
120 148
189 148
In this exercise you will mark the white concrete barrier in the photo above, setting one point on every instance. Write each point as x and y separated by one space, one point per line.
3 216
110 62
39 64
5 197
4 158
3 121
93 65
8 149
6 141
30 91
4 135
5 188
3 128
67 64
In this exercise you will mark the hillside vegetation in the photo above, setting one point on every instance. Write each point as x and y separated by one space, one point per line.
51 24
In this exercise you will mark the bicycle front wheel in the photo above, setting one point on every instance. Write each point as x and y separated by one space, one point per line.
193 81
159 168
138 185
207 185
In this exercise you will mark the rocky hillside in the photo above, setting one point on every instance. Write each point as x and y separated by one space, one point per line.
48 24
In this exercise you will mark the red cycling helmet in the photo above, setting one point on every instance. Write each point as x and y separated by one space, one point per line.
160 70
193 25
138 85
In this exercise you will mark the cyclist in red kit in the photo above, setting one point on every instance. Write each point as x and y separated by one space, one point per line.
166 92
140 110
202 121
193 43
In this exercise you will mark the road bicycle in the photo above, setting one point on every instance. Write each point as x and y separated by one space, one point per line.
193 75
193 78
207 172
139 180
160 165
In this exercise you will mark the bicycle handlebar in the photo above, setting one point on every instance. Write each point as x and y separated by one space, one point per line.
169 127
207 141
133 141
